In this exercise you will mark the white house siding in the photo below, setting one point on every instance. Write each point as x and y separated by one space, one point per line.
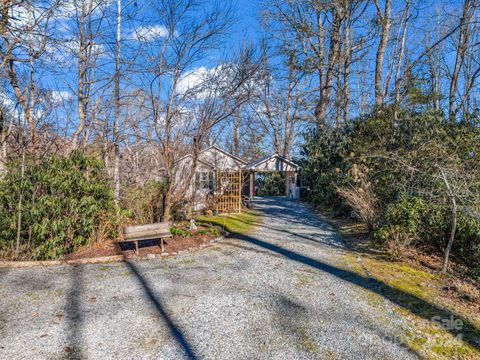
209 160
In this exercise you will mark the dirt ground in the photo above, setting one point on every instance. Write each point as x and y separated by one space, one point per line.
110 248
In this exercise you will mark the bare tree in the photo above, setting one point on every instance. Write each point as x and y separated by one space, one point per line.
24 29
280 103
468 11
188 100
86 50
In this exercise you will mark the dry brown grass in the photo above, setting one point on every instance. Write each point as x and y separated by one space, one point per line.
362 199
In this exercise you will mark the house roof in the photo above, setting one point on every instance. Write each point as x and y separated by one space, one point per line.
217 149
255 164
224 152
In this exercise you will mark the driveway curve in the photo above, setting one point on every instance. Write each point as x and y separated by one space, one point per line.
278 293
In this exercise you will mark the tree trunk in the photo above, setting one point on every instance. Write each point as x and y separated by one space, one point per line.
116 124
452 235
168 204
469 8
382 46
326 90
319 113
406 17
20 205
81 72
453 230
236 133
346 69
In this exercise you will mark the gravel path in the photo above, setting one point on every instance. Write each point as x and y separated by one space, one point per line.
276 294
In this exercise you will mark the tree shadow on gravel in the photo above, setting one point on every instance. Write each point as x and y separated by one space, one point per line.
74 315
294 319
175 331
415 305
334 243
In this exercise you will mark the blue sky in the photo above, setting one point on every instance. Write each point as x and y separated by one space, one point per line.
59 76
247 27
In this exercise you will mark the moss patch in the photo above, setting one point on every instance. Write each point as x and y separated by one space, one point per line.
307 342
303 278
414 288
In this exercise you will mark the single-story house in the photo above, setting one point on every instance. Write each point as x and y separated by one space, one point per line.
223 178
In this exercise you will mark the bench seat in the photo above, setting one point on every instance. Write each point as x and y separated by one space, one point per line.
156 231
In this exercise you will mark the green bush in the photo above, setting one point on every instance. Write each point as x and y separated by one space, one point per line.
64 200
400 151
271 184
211 230
406 217
324 166
214 231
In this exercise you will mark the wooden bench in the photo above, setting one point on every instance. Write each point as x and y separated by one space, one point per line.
156 231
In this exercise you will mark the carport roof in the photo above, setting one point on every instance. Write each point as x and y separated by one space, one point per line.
255 165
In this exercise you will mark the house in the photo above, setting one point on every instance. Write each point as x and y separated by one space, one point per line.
221 179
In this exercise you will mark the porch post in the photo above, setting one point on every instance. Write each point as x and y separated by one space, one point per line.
296 193
250 192
287 183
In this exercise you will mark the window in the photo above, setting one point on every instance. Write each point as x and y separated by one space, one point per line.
204 180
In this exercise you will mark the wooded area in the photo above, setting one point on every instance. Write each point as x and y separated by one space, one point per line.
376 99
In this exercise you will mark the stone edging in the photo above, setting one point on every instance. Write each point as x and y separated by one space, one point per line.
102 259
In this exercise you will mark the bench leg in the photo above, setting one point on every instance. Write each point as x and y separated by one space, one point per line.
136 248
161 244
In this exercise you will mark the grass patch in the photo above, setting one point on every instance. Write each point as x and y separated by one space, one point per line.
307 343
188 261
241 223
303 279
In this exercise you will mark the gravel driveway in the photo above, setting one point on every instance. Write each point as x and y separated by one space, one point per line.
276 294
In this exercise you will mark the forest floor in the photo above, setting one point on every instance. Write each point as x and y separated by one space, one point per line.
421 286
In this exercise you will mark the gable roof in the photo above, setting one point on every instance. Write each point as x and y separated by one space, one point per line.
255 164
217 149
225 153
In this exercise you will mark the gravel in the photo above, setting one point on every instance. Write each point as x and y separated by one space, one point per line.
263 296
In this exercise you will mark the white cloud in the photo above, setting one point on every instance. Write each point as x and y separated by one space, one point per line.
59 96
6 102
149 33
193 79
202 82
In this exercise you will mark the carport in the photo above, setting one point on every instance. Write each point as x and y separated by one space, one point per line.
273 163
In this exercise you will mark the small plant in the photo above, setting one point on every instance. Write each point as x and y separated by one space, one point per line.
175 231
363 200
145 203
214 231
